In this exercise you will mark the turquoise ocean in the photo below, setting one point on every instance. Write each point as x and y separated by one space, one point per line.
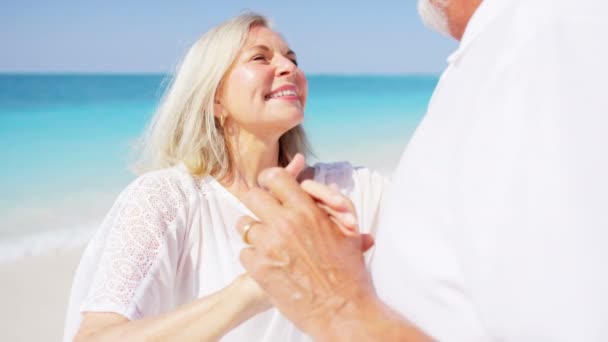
66 142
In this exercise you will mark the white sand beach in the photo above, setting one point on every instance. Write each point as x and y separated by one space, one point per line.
34 295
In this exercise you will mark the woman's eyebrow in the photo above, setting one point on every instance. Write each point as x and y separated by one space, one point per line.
260 47
266 48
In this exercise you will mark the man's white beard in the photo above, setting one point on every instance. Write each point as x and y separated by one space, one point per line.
433 16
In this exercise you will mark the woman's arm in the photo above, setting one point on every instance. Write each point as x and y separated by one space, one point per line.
205 319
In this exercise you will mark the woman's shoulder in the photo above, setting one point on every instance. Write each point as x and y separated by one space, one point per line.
175 180
153 202
170 190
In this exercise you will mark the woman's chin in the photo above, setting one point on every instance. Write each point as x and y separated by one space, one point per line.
292 118
282 123
293 124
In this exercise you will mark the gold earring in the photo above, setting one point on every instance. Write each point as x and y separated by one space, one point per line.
222 119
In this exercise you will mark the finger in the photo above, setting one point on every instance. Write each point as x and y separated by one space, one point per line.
346 219
247 258
327 195
254 230
296 165
307 173
262 204
367 242
285 188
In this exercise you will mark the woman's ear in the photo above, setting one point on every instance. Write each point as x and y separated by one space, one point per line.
218 109
219 112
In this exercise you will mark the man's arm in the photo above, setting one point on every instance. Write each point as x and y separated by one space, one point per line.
314 273
368 320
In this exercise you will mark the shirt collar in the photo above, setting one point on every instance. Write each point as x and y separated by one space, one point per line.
483 16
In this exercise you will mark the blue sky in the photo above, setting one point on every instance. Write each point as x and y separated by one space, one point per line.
148 36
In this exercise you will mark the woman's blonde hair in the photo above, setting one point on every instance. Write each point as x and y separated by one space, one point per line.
184 128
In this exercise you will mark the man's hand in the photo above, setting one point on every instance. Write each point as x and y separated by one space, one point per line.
311 268
329 198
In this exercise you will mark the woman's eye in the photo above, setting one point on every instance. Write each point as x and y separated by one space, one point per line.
295 62
258 58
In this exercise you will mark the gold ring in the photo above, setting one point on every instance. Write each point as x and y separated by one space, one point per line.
246 230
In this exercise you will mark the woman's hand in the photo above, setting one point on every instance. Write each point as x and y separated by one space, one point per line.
339 208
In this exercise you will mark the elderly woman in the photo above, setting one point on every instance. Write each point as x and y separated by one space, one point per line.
164 264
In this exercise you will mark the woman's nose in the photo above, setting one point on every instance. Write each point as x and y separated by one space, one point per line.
285 66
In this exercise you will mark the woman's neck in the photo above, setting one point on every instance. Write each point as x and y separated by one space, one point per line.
249 156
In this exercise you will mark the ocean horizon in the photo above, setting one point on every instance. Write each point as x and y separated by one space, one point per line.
67 139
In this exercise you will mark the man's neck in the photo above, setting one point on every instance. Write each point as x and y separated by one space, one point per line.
459 13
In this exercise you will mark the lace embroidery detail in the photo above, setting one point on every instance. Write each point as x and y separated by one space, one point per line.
132 235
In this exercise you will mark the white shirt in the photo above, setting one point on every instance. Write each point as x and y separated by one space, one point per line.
497 218
170 239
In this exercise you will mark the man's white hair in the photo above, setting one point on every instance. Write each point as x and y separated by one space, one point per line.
433 15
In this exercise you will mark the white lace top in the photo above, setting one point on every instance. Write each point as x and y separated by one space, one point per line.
171 238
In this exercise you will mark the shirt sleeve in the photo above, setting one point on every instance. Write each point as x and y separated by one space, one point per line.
136 250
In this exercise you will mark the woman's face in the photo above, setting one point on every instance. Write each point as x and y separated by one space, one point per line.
264 92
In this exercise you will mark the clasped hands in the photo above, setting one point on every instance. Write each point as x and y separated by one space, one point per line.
305 251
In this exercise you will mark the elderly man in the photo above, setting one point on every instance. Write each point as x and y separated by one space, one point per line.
496 224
